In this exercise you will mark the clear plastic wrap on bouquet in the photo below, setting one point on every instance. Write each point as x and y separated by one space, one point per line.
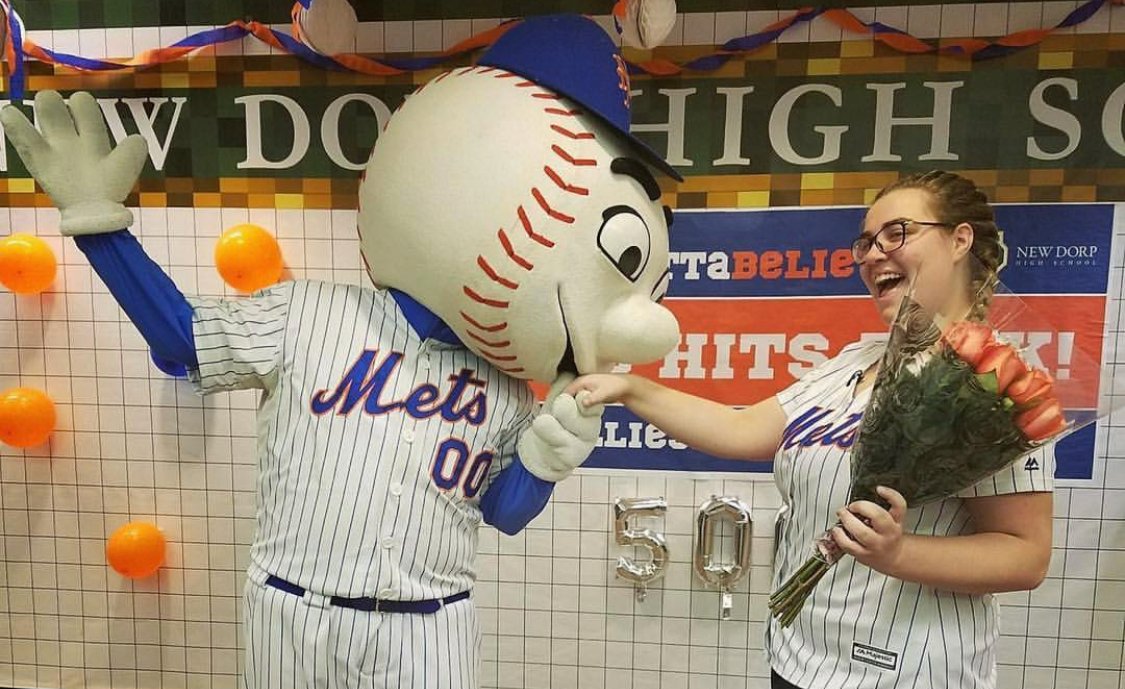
960 394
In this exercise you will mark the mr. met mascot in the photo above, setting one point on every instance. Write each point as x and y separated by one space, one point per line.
513 231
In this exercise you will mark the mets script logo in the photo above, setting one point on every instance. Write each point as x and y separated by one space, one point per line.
807 430
363 384
622 77
453 467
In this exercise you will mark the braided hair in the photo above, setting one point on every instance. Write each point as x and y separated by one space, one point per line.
957 200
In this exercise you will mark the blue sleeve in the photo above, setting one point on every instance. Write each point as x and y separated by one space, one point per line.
146 294
514 498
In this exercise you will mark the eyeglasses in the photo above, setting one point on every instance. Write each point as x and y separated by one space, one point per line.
890 237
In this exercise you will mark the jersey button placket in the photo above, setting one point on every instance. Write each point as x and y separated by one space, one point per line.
389 568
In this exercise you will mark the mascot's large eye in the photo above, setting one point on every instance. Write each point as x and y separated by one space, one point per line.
624 240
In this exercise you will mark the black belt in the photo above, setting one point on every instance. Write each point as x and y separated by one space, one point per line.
423 607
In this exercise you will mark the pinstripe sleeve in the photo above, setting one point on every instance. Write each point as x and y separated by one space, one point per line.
506 447
1032 473
239 341
513 496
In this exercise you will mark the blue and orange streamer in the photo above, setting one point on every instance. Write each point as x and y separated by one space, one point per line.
234 31
18 48
897 39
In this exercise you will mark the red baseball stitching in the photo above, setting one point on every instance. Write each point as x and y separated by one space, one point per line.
497 357
530 232
564 113
557 215
488 270
581 191
580 162
516 258
487 328
525 221
489 343
495 303
571 135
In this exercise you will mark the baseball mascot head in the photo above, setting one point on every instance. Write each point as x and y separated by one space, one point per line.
510 199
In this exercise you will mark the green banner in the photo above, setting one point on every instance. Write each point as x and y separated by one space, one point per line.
986 119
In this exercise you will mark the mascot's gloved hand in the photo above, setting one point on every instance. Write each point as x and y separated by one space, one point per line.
562 436
74 162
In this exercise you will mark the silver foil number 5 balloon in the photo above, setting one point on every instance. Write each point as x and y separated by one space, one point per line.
722 576
640 574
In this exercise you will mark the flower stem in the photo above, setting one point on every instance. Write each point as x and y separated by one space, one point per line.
786 603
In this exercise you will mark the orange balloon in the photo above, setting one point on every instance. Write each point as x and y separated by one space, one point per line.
248 258
136 550
27 264
27 417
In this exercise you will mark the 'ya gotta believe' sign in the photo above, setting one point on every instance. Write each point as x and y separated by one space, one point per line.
764 296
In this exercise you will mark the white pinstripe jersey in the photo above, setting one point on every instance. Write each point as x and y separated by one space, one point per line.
861 629
374 446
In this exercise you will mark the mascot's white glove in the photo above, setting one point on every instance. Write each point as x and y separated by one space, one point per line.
562 436
75 163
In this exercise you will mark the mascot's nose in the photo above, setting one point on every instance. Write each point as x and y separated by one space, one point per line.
637 331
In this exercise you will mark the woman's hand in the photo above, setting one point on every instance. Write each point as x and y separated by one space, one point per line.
602 388
871 534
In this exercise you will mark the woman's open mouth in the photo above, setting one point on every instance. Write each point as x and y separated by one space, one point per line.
887 282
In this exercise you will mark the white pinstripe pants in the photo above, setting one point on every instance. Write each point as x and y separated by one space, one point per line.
304 643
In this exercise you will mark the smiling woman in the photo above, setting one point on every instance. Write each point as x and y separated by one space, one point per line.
907 580
894 242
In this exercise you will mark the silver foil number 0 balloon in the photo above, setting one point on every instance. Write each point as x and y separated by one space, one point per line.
640 574
722 576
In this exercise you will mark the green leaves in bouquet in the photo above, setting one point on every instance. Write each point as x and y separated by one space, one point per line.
934 431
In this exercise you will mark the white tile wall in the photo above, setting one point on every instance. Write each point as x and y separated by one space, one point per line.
132 445
552 611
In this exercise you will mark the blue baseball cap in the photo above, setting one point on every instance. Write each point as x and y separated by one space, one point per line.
573 56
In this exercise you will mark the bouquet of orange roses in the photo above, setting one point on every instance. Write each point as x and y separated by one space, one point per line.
952 404
937 426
